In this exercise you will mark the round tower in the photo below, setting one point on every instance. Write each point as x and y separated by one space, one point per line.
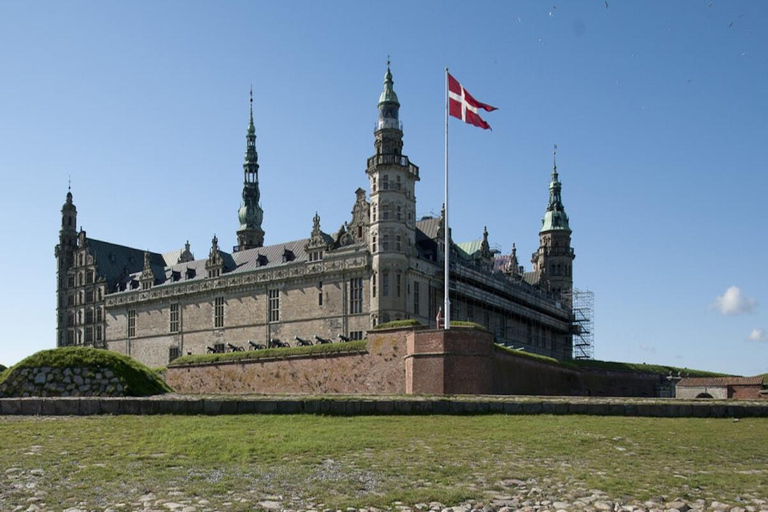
554 258
392 239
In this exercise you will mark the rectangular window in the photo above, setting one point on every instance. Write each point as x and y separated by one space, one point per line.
385 212
173 353
218 312
89 316
70 300
175 317
374 244
131 323
385 284
416 298
398 285
356 335
89 296
98 333
99 315
385 242
399 212
398 185
89 334
373 285
398 243
320 294
385 182
356 295
71 281
89 277
274 305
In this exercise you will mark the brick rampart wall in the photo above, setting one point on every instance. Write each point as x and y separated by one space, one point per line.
525 376
379 370
414 361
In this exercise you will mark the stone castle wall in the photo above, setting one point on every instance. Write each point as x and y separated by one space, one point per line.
413 361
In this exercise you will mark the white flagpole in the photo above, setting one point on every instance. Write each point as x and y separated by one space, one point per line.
447 301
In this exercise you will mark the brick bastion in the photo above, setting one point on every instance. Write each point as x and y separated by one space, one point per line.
410 361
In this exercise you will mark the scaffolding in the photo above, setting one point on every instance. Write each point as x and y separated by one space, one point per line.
583 323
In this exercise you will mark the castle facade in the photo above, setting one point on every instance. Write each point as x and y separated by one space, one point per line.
383 264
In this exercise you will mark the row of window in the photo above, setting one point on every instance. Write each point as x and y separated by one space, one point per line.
90 314
87 277
386 185
83 297
273 305
386 243
387 212
88 335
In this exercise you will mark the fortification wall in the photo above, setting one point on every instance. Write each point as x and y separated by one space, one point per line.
378 370
413 361
520 375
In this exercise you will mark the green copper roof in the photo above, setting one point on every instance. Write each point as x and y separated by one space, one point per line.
555 217
388 95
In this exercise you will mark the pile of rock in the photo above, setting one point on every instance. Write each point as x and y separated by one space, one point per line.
76 381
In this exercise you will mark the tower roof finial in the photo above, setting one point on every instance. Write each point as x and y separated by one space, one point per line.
554 159
251 128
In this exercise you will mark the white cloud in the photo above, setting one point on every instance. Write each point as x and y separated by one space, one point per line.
733 302
757 335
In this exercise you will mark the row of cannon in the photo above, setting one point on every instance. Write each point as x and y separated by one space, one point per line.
276 343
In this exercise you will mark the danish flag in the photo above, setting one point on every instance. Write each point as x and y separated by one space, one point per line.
463 106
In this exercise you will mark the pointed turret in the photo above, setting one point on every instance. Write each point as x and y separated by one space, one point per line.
250 215
389 105
554 259
555 216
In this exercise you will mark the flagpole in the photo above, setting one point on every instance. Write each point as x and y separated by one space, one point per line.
447 300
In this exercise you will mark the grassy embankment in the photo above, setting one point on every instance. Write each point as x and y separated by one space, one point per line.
138 379
375 460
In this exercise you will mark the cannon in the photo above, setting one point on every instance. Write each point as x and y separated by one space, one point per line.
301 342
210 350
344 339
256 346
276 343
322 341
234 348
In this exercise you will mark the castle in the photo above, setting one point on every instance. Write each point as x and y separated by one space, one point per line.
382 265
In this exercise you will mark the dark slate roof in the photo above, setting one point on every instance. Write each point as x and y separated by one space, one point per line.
429 226
270 256
116 261
720 381
533 277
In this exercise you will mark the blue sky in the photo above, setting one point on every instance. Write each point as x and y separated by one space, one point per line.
659 110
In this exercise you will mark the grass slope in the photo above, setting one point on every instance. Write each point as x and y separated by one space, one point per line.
252 355
373 461
138 379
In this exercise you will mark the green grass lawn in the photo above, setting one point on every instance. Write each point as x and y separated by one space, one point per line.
372 460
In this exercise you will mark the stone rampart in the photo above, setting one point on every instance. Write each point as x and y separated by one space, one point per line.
47 381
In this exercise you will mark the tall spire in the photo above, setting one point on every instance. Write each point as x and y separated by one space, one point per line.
250 215
389 105
555 217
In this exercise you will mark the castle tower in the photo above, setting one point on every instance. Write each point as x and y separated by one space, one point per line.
64 253
554 259
250 235
392 239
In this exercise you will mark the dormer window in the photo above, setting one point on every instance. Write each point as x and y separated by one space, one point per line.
190 273
288 256
262 260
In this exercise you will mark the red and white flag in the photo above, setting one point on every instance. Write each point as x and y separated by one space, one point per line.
463 106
